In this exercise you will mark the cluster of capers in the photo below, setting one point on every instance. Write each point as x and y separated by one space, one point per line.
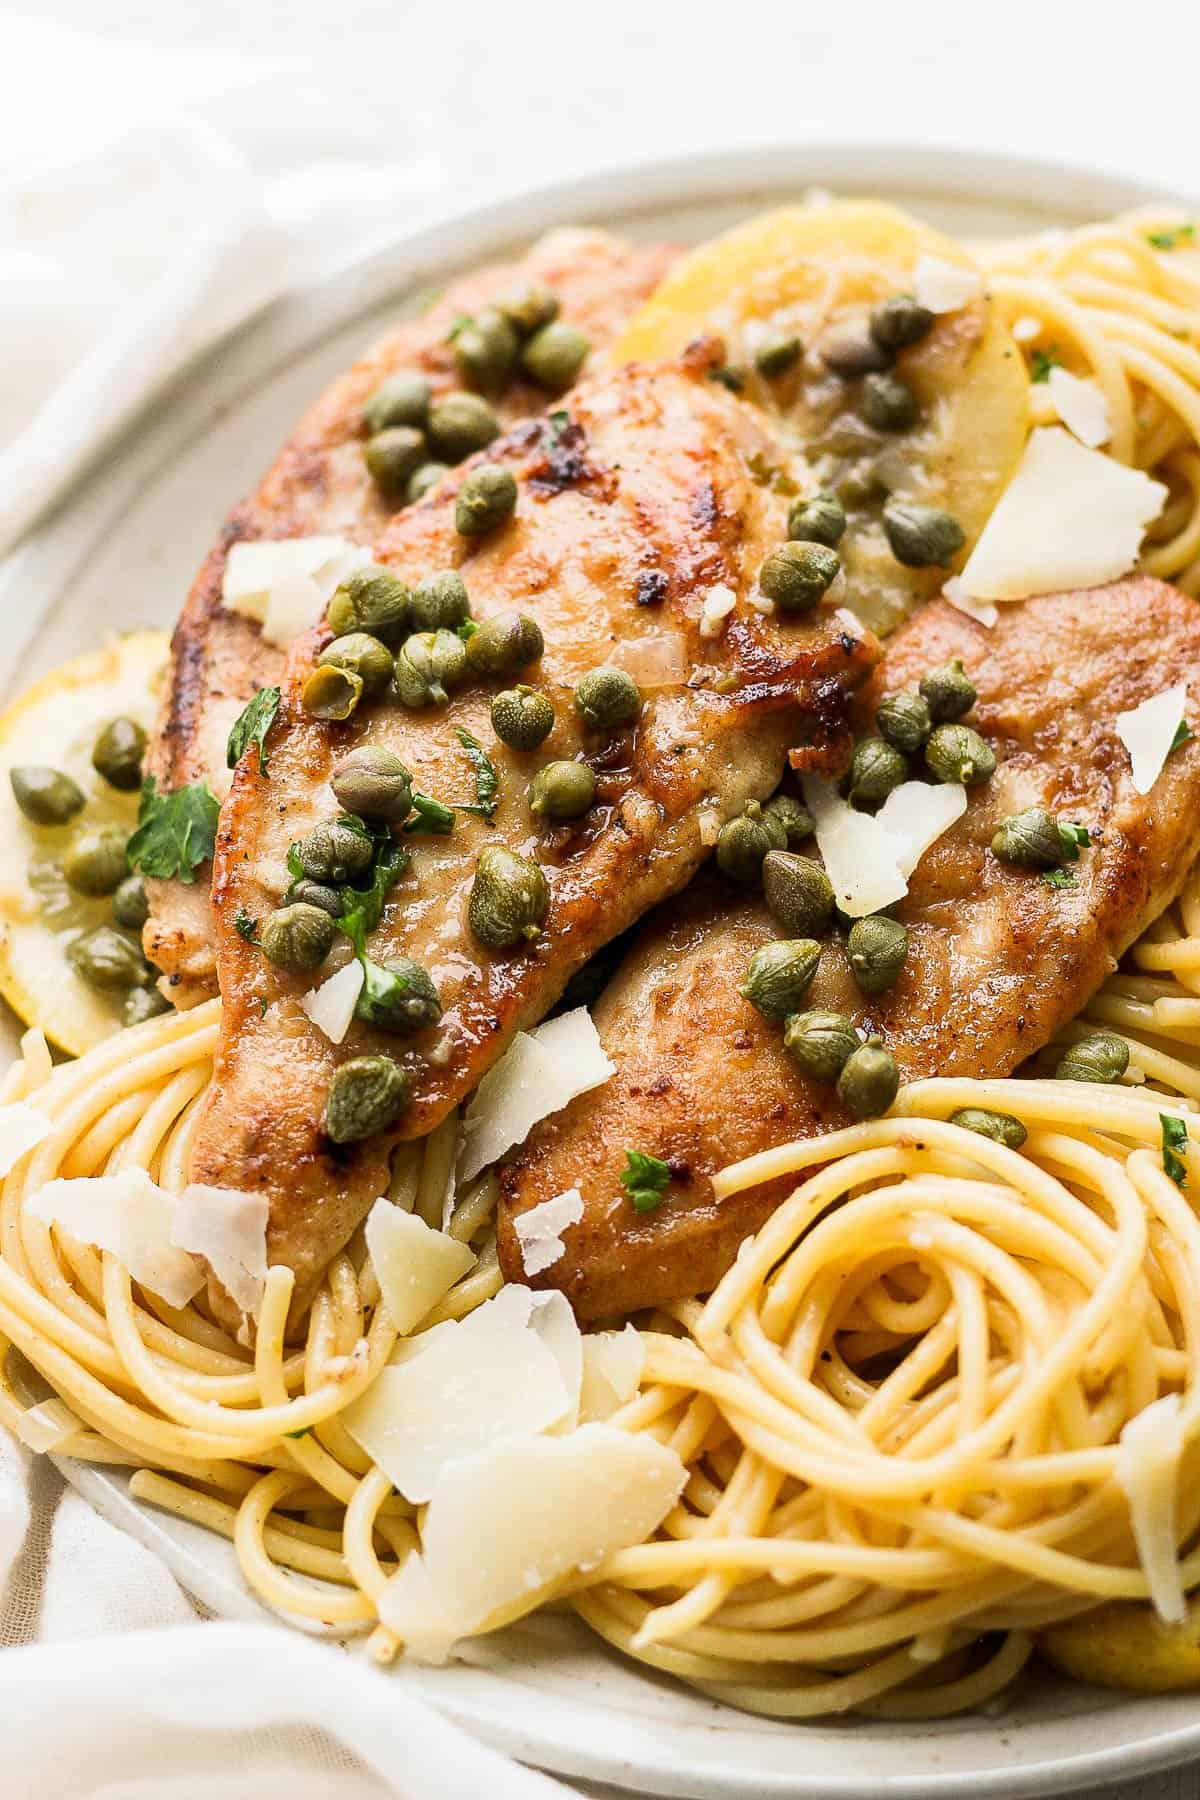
95 865
927 723
521 333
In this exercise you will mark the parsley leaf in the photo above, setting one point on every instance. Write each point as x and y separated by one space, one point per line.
252 726
645 1179
1059 878
1183 733
1042 361
1174 1148
487 782
430 815
362 908
1073 838
1170 240
175 831
245 926
466 631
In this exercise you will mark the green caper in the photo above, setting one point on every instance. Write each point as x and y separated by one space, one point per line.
364 656
130 905
1002 1128
373 600
1029 840
797 821
331 692
108 960
608 698
921 537
428 665
424 477
562 790
142 1003
851 351
820 1043
505 644
862 485
460 423
956 753
297 937
367 1095
509 898
554 355
96 862
1101 1057
819 519
392 455
522 718
743 842
796 576
316 893
117 754
402 399
888 404
948 692
869 1081
780 975
904 721
485 350
878 949
336 850
529 306
440 602
45 796
486 499
876 767
402 998
798 893
778 353
900 321
372 782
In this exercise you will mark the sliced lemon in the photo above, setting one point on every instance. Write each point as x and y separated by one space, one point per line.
817 272
56 722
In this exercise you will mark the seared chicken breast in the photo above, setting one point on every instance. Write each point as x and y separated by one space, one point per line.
998 959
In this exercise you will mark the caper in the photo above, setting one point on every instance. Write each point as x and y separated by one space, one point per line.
428 664
948 692
425 476
364 656
460 423
878 949
505 644
331 692
509 898
778 353
440 602
522 718
142 1003
46 796
796 576
372 782
485 350
956 753
96 862
373 600
1102 1057
819 519
392 455
795 818
562 790
316 893
117 754
108 960
876 767
554 355
888 404
130 905
900 321
529 306
921 537
820 1043
798 893
608 698
335 850
851 351
486 499
904 722
862 485
403 999
742 843
366 1095
402 399
780 975
1002 1128
1029 840
297 937
869 1081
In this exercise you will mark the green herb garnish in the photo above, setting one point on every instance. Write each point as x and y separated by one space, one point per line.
1170 240
556 424
733 379
1042 361
252 726
1183 735
175 831
245 926
1059 878
1072 838
466 631
1174 1148
645 1179
430 815
487 782
363 907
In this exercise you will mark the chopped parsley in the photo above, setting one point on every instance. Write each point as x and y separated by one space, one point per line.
1073 838
252 726
556 424
1183 734
1042 361
245 926
1174 1148
487 782
466 631
430 815
1059 878
1171 240
362 908
645 1179
175 831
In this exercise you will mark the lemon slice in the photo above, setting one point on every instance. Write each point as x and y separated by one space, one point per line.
56 722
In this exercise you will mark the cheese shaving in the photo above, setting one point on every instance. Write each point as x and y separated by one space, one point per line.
48 1426
130 1217
869 858
409 1607
1148 732
21 1128
915 815
539 1231
537 1075
416 1266
285 584
331 1006
1147 1472
942 286
982 611
552 1319
1081 406
613 1365
229 1229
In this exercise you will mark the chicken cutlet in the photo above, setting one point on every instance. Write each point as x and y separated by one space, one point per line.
998 960
319 484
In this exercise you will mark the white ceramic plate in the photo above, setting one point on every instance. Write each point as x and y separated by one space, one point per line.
121 553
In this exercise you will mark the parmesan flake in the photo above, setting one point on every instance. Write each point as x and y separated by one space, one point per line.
21 1128
229 1229
537 1075
1148 731
331 1006
982 611
868 858
942 286
416 1266
1147 1472
613 1365
1081 406
539 1231
130 1217
285 584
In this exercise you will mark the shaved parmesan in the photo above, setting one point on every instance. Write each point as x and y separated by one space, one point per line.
859 857
416 1266
915 815
1148 731
331 1006
537 1075
660 661
539 1231
982 611
944 287
21 1127
1069 518
613 1365
229 1229
489 1377
409 1607
47 1426
554 1322
718 603
1081 406
129 1216
285 584
1147 1472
